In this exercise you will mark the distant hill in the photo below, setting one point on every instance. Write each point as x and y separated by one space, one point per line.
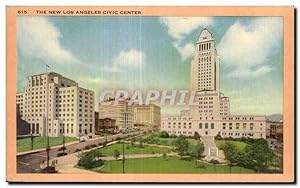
275 117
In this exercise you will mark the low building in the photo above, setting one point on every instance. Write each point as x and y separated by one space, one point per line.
122 113
23 127
234 126
107 124
147 115
248 126
180 124
275 130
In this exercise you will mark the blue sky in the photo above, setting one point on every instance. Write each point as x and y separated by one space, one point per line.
155 53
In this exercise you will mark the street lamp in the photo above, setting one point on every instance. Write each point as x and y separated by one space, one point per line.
123 160
64 139
31 137
125 125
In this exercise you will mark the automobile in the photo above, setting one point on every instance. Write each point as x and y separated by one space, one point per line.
83 138
90 135
61 154
77 150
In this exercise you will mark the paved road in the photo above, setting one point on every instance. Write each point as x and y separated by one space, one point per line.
30 163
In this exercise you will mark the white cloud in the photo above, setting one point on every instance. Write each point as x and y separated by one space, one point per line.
251 45
132 58
38 38
180 27
248 72
185 51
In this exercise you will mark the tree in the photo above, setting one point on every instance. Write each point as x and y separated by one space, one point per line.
90 160
196 135
164 134
164 156
197 152
230 151
141 141
218 137
133 140
97 154
116 154
260 154
182 145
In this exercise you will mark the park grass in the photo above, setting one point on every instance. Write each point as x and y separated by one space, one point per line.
129 149
170 165
239 144
168 141
41 142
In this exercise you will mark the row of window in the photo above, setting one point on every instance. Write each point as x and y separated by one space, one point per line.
205 46
180 132
179 123
212 125
239 134
178 118
238 118
179 127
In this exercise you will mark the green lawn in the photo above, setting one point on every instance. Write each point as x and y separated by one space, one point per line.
239 144
129 149
168 141
168 165
41 142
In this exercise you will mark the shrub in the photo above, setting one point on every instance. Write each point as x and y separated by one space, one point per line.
90 160
88 147
218 137
196 135
164 134
182 145
164 155
141 144
173 136
213 161
116 154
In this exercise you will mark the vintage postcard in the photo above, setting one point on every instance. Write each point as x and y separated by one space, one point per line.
150 94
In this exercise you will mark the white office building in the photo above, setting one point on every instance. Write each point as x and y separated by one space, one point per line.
54 105
122 113
212 114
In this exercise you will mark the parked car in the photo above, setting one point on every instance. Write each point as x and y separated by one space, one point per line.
83 138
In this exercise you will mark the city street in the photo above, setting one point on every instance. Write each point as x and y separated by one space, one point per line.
30 163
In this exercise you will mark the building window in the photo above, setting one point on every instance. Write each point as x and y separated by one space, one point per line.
244 125
212 125
200 125
251 126
237 126
206 125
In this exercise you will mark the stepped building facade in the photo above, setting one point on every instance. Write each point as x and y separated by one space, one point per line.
211 116
54 105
